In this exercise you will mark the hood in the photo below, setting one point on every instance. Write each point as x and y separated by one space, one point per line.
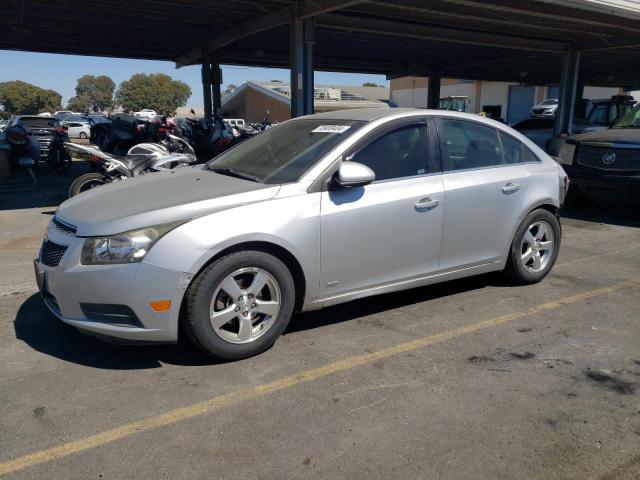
612 135
157 198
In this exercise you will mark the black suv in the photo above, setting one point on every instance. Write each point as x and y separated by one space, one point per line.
608 159
42 129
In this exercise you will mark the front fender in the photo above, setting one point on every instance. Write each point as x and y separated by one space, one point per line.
292 223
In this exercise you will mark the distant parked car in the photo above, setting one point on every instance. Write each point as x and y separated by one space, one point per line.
540 130
63 114
146 114
77 129
235 122
607 112
547 108
606 160
42 129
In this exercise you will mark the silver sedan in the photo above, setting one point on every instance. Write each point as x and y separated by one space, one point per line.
316 211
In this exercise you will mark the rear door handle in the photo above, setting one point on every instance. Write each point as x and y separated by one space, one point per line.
426 204
509 188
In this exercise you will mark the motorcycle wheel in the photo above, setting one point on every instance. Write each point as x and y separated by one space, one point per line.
87 182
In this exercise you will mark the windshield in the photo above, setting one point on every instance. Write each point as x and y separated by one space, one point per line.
630 120
282 154
550 101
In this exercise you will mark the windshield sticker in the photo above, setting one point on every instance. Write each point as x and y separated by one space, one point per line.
331 129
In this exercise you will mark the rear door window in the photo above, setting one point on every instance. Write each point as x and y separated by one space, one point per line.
468 145
514 151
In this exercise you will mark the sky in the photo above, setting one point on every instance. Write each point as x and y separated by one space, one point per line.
60 72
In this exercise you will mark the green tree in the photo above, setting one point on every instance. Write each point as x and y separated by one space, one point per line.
93 94
156 91
370 84
229 90
22 98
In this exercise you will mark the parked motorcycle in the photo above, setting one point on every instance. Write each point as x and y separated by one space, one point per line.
140 159
208 139
24 150
58 158
125 131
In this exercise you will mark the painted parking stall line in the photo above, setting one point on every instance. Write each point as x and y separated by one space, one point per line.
184 413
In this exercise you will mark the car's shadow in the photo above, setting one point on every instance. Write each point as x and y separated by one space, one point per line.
39 329
607 208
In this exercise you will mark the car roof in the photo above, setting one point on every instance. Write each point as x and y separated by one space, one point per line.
362 114
371 114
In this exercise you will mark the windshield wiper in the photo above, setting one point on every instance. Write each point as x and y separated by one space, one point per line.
234 173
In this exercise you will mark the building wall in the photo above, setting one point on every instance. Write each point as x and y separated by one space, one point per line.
412 92
256 105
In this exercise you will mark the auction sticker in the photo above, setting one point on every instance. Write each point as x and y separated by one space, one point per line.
331 129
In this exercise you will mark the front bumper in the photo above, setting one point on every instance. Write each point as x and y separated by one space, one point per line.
69 287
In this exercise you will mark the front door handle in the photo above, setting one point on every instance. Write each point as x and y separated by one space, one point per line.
509 188
426 204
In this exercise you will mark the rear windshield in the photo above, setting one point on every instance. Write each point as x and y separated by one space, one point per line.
39 122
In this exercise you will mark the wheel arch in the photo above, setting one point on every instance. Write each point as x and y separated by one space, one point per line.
278 251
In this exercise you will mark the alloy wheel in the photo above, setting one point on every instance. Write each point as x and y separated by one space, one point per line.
245 305
537 247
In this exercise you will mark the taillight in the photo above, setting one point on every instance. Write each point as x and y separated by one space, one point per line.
14 136
62 130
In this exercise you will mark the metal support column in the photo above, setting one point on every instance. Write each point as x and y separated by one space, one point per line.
433 92
567 96
216 84
296 48
308 72
206 84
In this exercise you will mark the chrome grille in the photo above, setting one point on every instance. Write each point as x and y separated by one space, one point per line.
625 160
64 228
51 253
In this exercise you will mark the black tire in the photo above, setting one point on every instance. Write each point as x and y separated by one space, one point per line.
195 316
86 182
515 269
83 135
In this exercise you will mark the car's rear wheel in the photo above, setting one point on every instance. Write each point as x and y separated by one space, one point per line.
83 135
239 305
535 247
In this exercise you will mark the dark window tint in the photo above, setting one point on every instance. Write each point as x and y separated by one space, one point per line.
470 145
40 122
514 151
401 153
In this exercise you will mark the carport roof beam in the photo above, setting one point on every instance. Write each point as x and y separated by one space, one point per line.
306 9
447 35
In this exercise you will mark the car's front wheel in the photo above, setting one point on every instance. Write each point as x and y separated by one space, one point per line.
535 247
239 305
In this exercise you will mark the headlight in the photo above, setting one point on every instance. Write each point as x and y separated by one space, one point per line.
127 247
567 151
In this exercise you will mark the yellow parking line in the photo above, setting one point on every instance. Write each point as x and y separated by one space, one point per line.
184 413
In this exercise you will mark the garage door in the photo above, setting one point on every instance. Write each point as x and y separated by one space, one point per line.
520 101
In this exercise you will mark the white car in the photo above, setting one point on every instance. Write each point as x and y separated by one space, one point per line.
146 113
546 109
77 129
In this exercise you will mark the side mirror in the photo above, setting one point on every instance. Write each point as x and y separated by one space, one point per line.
353 174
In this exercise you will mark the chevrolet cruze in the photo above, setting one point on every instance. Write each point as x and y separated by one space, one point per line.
316 211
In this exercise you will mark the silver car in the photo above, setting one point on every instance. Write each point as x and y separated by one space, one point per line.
316 211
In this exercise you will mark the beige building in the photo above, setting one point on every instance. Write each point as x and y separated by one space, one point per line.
253 99
510 101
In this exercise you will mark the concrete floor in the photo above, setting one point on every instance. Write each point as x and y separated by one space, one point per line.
538 394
